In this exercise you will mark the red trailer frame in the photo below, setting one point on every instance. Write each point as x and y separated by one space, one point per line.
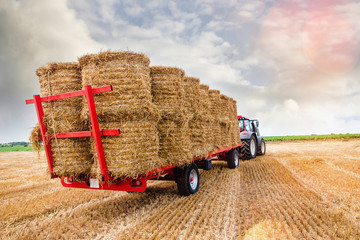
129 184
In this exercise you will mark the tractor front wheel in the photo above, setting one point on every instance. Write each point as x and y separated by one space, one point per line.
248 148
262 149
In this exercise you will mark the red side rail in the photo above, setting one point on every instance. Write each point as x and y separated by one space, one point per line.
96 132
137 184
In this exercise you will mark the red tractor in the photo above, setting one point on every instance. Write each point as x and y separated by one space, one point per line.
253 142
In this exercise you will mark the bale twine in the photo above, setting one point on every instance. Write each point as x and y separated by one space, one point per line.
129 74
132 153
70 156
215 111
206 118
225 121
167 88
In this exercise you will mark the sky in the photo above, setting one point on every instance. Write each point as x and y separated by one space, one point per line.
291 64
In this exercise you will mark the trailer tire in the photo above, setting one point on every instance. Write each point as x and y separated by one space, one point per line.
187 179
232 158
262 149
248 148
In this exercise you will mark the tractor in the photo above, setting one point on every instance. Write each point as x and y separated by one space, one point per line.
253 142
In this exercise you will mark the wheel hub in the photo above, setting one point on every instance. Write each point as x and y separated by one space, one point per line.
193 179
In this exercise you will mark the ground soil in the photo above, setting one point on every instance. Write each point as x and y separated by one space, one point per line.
298 190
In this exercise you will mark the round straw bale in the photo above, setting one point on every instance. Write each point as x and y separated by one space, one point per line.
56 78
132 153
70 156
167 90
129 74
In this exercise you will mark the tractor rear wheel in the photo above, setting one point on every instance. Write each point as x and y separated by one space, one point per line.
248 148
262 149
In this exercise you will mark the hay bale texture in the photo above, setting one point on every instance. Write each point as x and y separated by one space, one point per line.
206 118
133 152
196 126
215 111
128 107
225 121
192 96
129 74
71 156
167 87
233 121
236 129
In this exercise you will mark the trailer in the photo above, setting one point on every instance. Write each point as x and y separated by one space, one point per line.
186 175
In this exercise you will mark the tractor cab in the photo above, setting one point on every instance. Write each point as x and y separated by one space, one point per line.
253 142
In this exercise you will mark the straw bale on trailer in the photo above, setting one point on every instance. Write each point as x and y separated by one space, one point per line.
133 152
195 126
71 156
167 90
167 87
225 121
192 96
129 74
215 111
206 118
128 107
174 142
234 123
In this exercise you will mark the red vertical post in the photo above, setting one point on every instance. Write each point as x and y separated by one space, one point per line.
43 129
96 132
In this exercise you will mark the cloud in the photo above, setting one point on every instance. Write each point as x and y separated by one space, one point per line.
33 33
268 55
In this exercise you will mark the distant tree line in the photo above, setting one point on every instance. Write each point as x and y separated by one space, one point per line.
11 144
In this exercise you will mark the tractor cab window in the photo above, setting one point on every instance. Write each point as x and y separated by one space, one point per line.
248 126
241 125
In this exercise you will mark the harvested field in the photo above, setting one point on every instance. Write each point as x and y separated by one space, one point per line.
298 190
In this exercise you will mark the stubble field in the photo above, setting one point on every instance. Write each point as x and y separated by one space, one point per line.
298 190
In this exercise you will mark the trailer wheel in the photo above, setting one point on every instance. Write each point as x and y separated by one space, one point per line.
248 148
262 149
187 179
232 158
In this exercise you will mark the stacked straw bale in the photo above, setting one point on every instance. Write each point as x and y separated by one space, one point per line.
128 107
215 111
234 123
196 126
71 155
128 73
206 118
225 121
133 152
167 87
